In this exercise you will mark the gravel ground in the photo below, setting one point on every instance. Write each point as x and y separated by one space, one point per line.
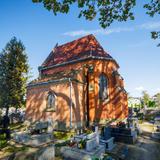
146 147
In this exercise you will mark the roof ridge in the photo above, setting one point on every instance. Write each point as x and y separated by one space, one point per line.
89 35
82 47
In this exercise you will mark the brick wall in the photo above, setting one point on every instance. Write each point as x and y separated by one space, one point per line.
114 107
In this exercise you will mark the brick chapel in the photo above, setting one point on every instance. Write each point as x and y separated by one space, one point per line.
78 85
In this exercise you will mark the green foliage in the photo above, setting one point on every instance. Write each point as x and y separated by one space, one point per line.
157 100
13 74
62 135
65 143
156 35
3 142
134 102
151 104
13 149
88 131
17 126
153 8
140 116
145 98
106 11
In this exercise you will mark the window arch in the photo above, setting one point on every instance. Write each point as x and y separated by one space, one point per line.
103 87
51 100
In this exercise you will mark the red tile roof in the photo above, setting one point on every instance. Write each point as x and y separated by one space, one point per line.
80 48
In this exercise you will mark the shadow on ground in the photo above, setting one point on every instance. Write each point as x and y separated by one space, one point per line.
146 147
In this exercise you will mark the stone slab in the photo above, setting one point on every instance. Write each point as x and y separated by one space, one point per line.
80 137
91 144
108 143
81 154
126 135
91 135
156 135
46 153
33 140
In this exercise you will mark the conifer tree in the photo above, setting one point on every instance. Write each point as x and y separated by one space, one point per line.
13 75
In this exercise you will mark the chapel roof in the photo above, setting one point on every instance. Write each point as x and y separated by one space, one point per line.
77 49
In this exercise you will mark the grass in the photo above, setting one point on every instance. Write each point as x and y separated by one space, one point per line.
140 121
12 149
62 135
17 126
149 117
3 142
9 148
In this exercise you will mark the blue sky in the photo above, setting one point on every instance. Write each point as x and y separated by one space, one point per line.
129 43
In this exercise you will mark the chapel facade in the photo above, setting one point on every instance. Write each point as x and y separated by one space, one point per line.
78 85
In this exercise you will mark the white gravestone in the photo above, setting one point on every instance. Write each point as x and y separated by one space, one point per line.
91 144
93 140
50 126
78 138
91 135
97 134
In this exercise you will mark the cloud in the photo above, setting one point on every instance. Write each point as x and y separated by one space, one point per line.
140 88
158 90
150 25
146 26
77 33
97 32
138 44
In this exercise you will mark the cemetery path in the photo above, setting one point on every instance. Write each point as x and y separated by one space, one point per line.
146 147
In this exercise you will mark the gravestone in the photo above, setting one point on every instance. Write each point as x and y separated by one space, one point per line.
78 138
50 126
39 127
71 153
91 135
32 140
47 153
126 135
91 144
92 140
21 137
92 147
109 144
156 135
156 132
40 139
107 133
97 134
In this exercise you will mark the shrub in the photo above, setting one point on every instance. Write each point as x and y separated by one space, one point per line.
3 142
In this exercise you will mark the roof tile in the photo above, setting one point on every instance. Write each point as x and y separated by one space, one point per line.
80 48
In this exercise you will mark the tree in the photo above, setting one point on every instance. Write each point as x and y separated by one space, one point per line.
151 104
13 75
107 11
153 8
157 99
145 98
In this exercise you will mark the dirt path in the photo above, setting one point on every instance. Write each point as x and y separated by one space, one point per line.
146 147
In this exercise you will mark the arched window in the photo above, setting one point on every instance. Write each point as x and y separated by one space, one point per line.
51 99
103 86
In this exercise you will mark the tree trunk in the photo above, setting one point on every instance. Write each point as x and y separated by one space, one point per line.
7 110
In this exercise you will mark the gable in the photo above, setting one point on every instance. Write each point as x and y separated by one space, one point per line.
77 49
